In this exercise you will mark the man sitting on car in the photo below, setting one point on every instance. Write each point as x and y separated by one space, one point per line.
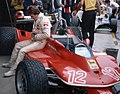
40 34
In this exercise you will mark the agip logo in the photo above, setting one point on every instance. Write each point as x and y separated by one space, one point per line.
93 64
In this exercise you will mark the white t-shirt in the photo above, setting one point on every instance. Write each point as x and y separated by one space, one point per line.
113 4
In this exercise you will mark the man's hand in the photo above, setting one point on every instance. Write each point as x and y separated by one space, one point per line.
74 13
35 31
39 37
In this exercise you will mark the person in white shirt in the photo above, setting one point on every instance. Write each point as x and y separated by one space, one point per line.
114 6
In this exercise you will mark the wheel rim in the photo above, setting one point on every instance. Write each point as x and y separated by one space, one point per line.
21 82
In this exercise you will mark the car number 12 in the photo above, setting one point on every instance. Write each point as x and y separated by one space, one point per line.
77 77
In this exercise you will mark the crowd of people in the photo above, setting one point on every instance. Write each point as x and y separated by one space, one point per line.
65 9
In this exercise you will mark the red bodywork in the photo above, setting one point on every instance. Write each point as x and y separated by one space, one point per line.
96 74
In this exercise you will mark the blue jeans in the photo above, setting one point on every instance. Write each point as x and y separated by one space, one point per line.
67 17
59 11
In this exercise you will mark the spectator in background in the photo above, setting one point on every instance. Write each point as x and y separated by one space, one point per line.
88 19
17 4
76 19
67 11
57 7
74 4
16 7
27 3
46 4
114 6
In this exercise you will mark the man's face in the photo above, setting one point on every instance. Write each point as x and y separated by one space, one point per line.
34 16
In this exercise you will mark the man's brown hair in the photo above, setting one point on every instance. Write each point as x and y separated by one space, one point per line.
33 9
107 1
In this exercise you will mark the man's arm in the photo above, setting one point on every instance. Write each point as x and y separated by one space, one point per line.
117 9
80 4
99 8
112 3
45 30
77 8
33 1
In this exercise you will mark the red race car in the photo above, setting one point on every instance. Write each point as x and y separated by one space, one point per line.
67 66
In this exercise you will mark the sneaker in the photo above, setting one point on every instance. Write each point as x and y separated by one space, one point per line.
9 73
87 41
6 65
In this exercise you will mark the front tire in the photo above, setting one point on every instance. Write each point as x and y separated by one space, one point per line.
31 78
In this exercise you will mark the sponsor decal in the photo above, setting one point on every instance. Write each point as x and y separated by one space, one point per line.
77 77
111 72
93 64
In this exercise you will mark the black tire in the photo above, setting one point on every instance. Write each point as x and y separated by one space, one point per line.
77 32
31 78
113 25
113 52
7 40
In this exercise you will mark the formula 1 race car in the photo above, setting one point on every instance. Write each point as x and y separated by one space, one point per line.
103 24
67 66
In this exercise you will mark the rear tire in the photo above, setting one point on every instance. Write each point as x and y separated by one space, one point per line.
7 40
31 78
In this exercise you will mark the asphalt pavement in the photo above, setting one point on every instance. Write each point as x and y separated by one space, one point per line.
7 85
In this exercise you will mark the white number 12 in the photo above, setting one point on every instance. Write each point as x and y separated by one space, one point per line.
77 76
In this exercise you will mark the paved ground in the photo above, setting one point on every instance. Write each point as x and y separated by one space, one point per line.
103 41
7 85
